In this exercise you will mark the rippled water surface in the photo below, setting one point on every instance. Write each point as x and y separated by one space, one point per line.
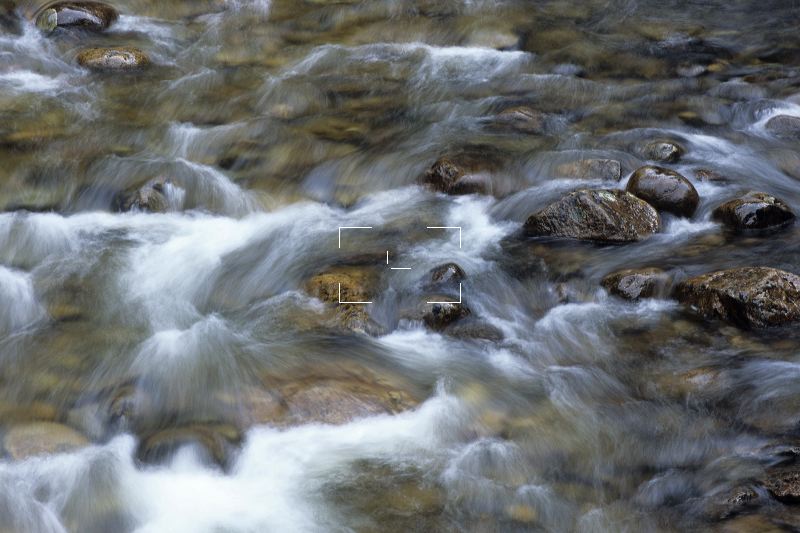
173 371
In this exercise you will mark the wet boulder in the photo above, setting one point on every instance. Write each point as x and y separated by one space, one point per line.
437 309
449 177
113 59
437 316
446 274
590 169
784 126
607 216
150 197
87 15
664 189
636 283
663 151
754 211
750 297
40 438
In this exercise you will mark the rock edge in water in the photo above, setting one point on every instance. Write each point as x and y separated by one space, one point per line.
749 297
664 189
606 215
113 59
754 211
92 16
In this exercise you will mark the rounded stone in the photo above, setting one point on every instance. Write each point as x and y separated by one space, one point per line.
636 283
754 211
664 189
663 151
608 216
114 59
92 16
449 177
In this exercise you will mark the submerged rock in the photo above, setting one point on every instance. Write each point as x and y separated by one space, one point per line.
337 401
522 119
589 169
39 438
611 216
751 297
348 284
664 189
784 126
754 211
451 178
149 197
218 441
474 328
636 283
663 151
117 59
93 16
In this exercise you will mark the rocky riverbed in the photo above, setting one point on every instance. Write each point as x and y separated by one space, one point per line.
399 265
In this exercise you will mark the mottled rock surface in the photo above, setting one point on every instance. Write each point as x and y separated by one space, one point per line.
754 211
116 59
636 283
611 216
750 297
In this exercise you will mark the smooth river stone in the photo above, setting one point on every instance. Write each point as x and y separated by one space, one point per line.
608 216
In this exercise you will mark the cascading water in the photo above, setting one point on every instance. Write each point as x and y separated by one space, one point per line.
173 353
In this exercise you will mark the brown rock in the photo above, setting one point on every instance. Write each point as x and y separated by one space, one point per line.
610 216
636 283
754 211
664 189
358 284
451 178
750 297
663 151
116 59
337 401
87 15
40 438
784 484
589 169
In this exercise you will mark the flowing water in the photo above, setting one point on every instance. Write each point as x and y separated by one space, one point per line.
277 122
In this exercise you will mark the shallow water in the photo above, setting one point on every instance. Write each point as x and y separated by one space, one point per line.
277 122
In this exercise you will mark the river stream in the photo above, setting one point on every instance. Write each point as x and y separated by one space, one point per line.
172 369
